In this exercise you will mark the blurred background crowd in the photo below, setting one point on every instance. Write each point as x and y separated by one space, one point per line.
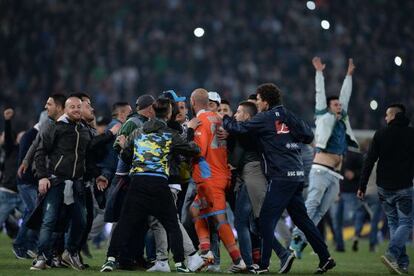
118 50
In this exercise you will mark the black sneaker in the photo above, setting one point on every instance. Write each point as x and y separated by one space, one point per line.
325 266
252 269
109 265
261 271
181 268
20 252
286 263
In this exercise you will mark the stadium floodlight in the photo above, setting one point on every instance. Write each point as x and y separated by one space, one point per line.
373 104
398 61
198 32
325 24
311 5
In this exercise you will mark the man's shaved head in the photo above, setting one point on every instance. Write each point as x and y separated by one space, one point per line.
200 97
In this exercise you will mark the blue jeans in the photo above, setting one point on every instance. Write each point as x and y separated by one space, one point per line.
322 192
283 195
27 238
52 212
398 207
371 205
9 202
343 211
242 221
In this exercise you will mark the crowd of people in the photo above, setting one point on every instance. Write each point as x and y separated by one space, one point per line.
165 181
113 49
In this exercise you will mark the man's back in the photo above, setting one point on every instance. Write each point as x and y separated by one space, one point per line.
212 164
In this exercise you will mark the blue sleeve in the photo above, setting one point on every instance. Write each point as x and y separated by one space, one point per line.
255 124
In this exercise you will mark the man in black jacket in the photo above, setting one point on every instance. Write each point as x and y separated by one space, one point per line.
61 182
149 149
393 147
280 132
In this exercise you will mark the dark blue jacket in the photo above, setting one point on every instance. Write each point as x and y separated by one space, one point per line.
280 133
25 143
110 160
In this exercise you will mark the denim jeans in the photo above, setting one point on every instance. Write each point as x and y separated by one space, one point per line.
27 238
75 214
242 221
8 202
343 211
371 205
322 192
398 207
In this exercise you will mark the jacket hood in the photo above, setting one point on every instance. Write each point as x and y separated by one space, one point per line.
400 120
154 125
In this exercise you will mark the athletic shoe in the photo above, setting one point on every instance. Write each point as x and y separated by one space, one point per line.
57 262
325 266
160 266
109 265
181 268
391 264
252 269
261 271
404 269
213 268
297 245
31 253
39 263
72 260
286 263
19 252
195 262
237 268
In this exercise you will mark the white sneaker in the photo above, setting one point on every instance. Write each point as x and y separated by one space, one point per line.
160 266
213 268
237 268
195 262
208 257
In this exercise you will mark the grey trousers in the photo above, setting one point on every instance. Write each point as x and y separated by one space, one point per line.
160 235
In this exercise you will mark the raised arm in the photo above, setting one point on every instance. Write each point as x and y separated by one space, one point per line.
346 89
253 125
320 97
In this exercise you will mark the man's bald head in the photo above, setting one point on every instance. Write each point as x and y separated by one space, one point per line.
200 97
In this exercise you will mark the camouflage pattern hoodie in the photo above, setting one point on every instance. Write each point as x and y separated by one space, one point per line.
150 149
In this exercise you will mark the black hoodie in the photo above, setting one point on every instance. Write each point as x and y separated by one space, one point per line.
393 147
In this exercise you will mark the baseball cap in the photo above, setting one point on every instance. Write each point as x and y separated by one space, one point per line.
214 96
173 96
144 101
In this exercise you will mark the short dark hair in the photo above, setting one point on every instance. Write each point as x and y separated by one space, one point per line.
329 99
161 107
80 95
59 99
270 93
252 97
398 106
223 101
249 107
116 106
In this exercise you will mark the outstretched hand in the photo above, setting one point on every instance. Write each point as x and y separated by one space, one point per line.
351 67
317 63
